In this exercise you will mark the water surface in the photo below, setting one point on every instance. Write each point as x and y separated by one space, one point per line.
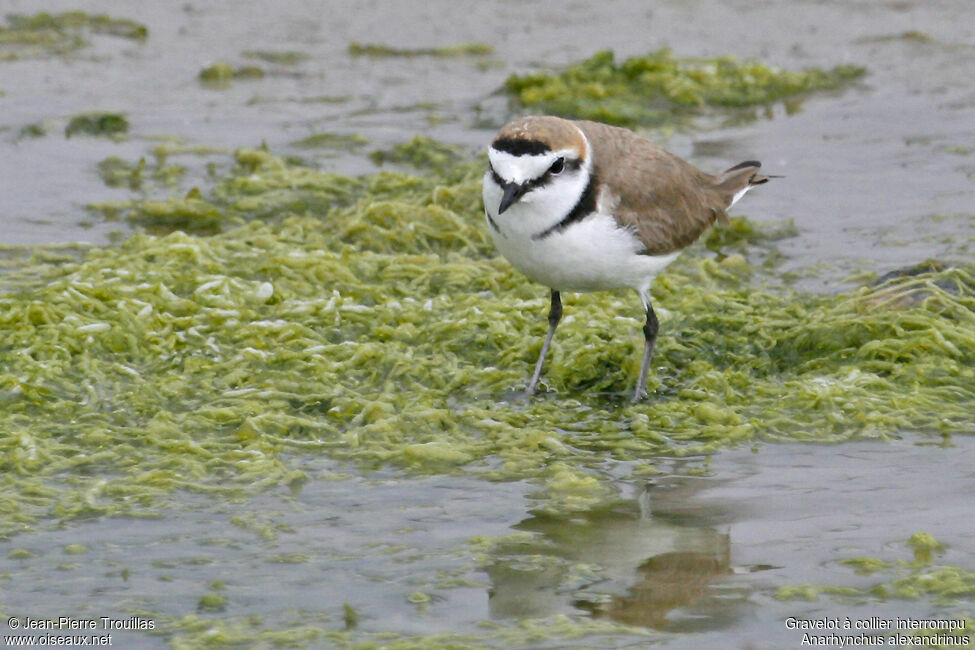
694 557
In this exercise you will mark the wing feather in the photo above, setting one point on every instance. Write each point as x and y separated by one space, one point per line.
667 202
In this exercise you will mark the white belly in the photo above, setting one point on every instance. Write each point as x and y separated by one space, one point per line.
593 254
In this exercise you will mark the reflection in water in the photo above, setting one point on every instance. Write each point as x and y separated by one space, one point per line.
667 581
624 562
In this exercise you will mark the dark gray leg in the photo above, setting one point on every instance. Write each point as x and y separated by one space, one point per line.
650 329
554 316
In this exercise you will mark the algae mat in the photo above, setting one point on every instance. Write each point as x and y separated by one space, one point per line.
47 35
388 332
659 89
367 323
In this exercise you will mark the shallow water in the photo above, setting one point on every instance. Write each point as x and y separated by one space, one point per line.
865 171
696 556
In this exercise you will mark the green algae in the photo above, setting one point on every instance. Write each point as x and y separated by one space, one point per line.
190 213
660 89
197 631
219 75
212 603
248 72
447 51
419 598
421 153
97 23
370 320
97 124
925 546
315 99
283 57
944 586
742 231
343 141
349 616
866 565
177 147
910 36
44 34
116 172
33 130
924 542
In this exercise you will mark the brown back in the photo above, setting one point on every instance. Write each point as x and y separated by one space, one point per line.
666 201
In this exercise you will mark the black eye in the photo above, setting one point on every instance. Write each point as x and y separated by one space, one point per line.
557 166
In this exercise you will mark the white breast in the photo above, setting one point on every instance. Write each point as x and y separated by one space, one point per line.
592 254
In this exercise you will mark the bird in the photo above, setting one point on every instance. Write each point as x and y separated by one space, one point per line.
582 206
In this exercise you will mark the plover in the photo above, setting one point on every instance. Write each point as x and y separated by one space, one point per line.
584 206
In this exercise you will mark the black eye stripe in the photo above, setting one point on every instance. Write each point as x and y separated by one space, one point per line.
542 180
496 176
551 171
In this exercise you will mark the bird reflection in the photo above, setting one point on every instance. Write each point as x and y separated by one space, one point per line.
666 582
618 562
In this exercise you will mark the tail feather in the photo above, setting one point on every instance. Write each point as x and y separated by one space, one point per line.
735 181
744 165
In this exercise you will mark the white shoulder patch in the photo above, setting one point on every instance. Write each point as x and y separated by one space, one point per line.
607 201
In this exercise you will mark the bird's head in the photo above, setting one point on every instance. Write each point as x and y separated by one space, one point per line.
543 162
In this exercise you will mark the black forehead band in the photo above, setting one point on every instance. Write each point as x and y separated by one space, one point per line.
521 146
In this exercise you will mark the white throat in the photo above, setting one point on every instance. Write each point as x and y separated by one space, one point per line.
542 207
